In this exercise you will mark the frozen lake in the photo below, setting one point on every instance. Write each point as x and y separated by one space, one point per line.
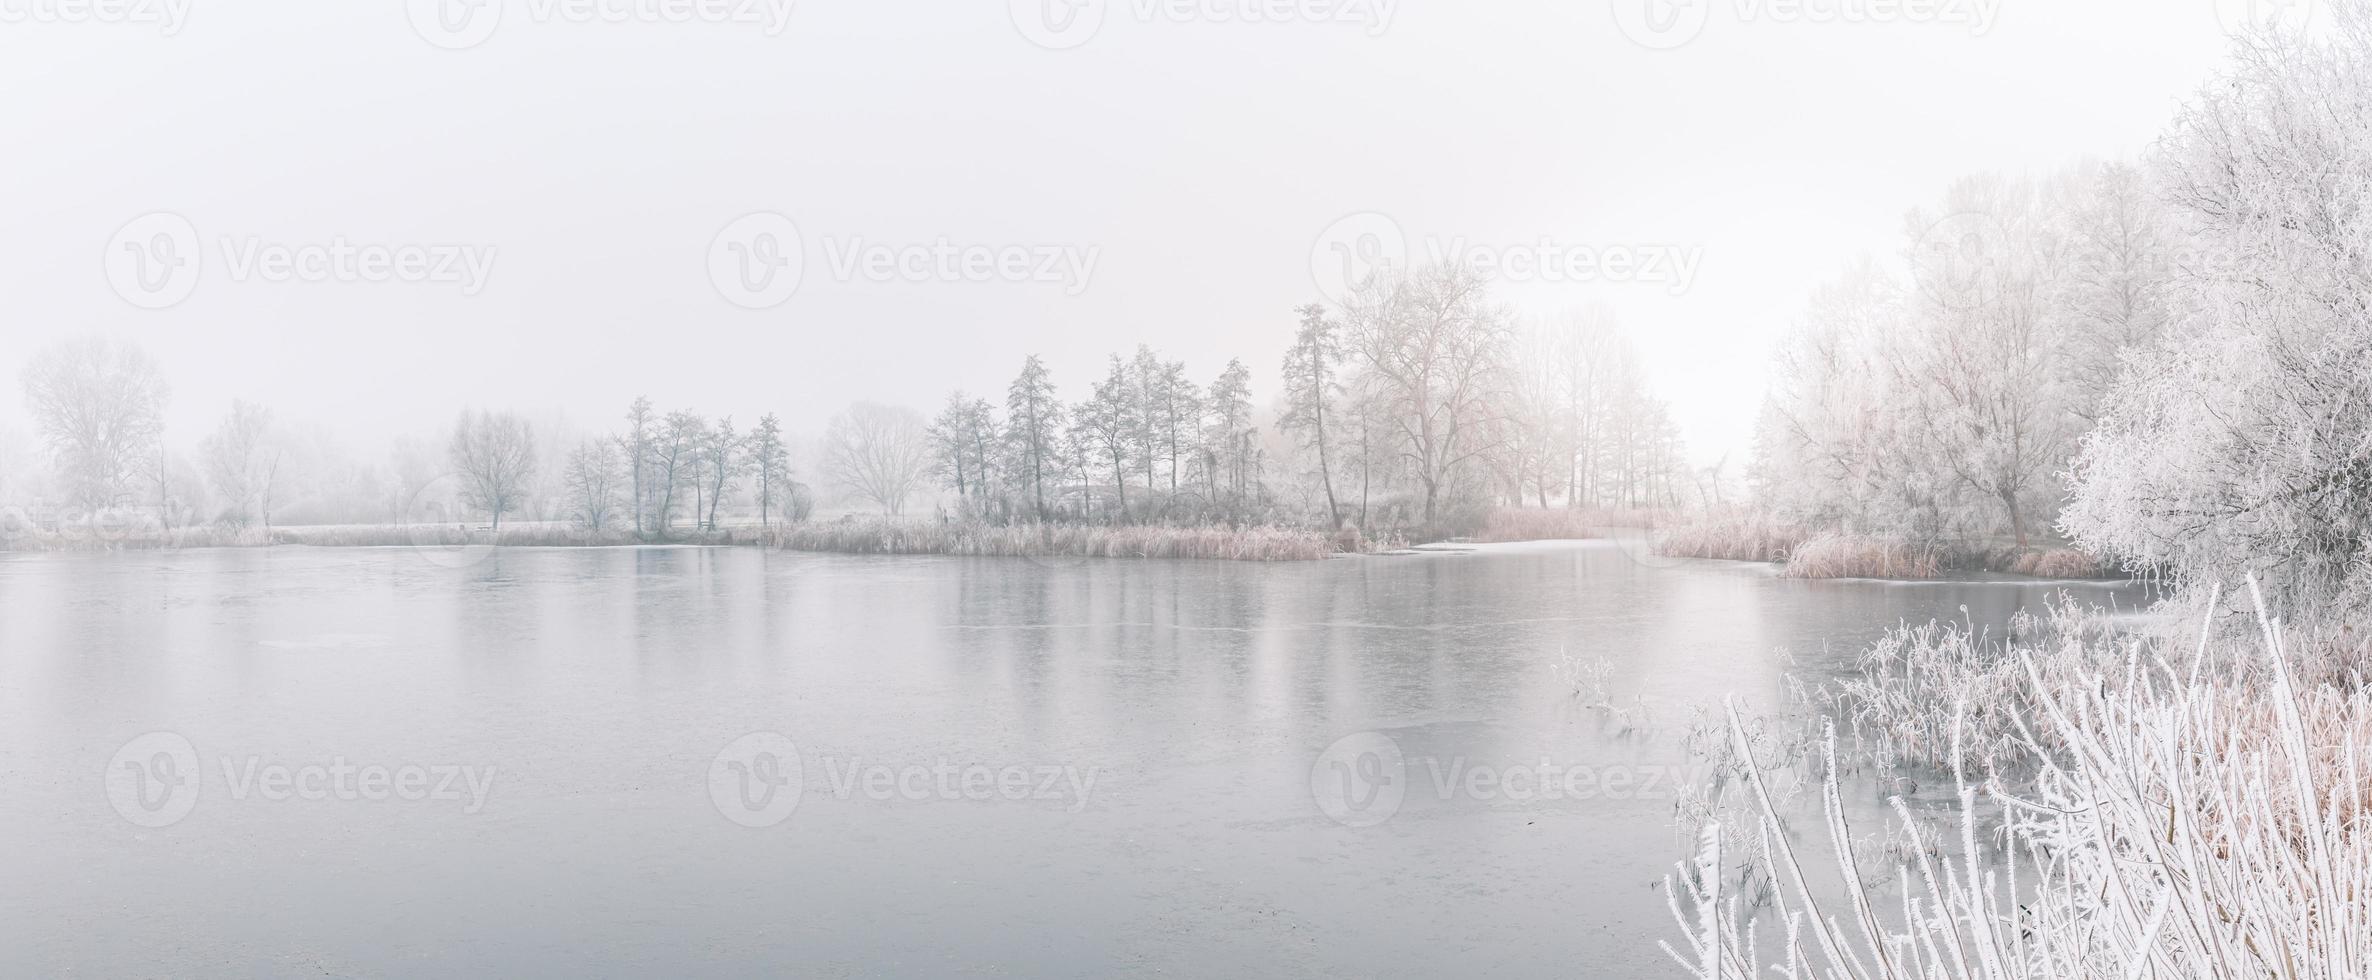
308 762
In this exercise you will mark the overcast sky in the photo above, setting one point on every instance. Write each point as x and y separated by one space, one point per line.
1127 175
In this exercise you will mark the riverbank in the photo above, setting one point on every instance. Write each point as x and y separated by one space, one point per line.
1813 554
850 535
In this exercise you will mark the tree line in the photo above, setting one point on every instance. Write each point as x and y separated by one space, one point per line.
2169 361
1416 406
1419 403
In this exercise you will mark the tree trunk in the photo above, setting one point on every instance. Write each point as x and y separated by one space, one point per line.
1120 486
1326 471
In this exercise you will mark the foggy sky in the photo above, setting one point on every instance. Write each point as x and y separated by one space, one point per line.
1194 161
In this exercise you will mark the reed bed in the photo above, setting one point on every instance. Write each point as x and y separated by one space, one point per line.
1732 536
1839 555
2191 811
889 536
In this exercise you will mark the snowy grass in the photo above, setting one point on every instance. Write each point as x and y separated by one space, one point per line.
2178 822
890 536
1749 535
1732 536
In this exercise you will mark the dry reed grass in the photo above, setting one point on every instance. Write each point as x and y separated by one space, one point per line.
2178 821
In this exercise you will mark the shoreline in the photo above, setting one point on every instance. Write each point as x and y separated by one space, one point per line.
443 539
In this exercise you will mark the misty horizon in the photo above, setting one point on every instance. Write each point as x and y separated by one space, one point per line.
606 249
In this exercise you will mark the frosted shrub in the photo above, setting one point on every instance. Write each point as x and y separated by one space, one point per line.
2175 825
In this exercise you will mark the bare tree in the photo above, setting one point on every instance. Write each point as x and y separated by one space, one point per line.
878 452
592 480
676 443
494 453
99 405
721 460
964 437
636 441
1432 349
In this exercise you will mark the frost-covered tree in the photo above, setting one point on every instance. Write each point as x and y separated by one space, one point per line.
1228 432
1985 375
1312 387
1181 418
1034 424
99 406
2242 440
1113 423
243 464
